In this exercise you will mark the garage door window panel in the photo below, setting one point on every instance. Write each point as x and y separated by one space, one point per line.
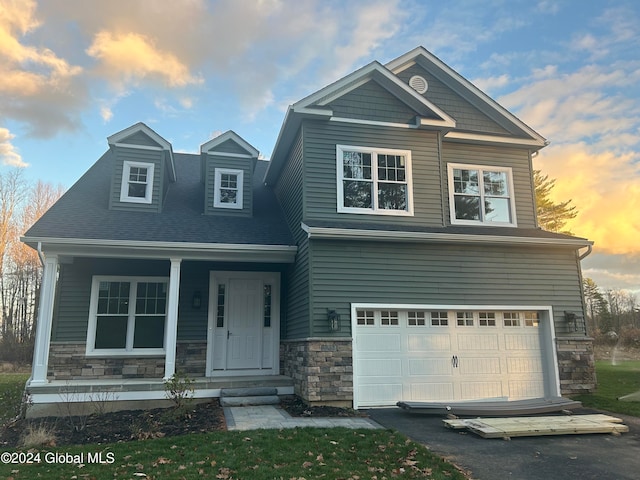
416 319
487 319
439 319
465 319
389 318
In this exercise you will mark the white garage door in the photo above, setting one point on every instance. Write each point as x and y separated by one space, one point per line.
445 355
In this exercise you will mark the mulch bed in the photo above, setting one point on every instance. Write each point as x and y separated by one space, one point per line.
128 425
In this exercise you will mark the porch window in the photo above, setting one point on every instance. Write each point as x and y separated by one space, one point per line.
374 181
127 315
228 186
267 306
137 182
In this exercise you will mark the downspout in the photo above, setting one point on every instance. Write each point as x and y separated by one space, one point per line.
40 254
587 253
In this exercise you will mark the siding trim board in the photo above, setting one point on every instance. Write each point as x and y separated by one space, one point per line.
330 233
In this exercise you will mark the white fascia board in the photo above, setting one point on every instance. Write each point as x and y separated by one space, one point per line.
493 139
328 233
184 250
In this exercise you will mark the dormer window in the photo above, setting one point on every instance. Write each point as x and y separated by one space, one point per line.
228 185
137 182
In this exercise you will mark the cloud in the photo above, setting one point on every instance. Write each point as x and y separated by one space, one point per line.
130 58
613 271
34 81
605 189
8 153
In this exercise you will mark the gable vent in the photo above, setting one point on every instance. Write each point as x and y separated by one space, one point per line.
418 83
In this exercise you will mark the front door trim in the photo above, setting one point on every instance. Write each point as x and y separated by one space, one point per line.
217 337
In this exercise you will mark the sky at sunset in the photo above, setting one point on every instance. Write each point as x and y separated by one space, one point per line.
73 72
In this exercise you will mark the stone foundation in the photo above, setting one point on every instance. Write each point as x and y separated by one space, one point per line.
67 361
576 364
322 370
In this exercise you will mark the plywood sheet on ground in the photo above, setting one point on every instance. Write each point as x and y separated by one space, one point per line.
538 426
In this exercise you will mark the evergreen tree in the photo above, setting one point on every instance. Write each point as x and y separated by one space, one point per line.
551 216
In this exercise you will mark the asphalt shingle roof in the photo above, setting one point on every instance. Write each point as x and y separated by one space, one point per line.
83 212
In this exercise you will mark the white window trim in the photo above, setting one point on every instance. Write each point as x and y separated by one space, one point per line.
216 188
93 318
374 173
124 187
481 168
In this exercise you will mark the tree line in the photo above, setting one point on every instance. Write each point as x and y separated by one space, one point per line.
21 204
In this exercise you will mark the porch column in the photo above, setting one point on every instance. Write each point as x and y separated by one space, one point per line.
44 320
171 333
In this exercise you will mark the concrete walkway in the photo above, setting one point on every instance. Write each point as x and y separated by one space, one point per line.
268 416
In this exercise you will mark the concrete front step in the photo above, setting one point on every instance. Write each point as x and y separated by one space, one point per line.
248 392
249 400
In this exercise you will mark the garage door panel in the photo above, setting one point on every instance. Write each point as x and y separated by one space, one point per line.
434 392
478 390
521 342
524 365
429 366
519 389
380 394
426 343
480 366
380 367
377 342
468 341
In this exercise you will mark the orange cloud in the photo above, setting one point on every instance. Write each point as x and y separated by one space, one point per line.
8 153
131 57
604 187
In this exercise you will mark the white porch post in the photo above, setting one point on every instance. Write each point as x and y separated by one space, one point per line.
171 333
45 318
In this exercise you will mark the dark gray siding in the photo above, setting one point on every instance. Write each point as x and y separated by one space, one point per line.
372 102
230 146
290 194
155 157
517 159
246 165
320 143
140 138
74 291
377 272
467 116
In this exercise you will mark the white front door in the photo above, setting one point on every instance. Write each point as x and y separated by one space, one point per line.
244 323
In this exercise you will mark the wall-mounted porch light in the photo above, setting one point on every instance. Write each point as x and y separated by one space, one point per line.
196 301
334 320
571 319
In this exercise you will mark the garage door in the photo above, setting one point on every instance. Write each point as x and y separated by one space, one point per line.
445 355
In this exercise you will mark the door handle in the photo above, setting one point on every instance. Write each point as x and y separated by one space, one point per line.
454 361
228 334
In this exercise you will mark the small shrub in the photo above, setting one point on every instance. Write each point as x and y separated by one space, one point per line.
41 435
179 389
630 337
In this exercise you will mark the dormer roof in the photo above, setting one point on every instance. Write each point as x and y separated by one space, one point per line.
217 146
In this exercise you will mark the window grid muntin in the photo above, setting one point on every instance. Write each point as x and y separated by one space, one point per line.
531 319
370 187
511 319
439 319
365 317
227 188
137 182
220 305
267 305
389 318
416 319
486 319
465 319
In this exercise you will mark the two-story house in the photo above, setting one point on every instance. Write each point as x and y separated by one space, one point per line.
389 250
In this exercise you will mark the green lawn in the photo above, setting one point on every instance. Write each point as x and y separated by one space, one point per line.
615 381
11 388
260 454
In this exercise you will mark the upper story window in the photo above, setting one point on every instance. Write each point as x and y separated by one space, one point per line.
137 182
374 181
481 195
228 188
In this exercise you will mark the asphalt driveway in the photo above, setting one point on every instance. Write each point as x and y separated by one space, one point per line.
585 457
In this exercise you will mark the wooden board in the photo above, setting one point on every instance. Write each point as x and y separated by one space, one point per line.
538 426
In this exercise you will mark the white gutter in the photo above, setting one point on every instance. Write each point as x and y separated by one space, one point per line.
587 253
40 254
329 233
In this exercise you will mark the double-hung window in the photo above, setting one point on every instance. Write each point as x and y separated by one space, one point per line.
137 182
227 187
481 195
127 315
374 181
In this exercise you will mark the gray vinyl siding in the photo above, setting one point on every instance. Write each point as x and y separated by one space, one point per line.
517 159
154 157
320 143
140 138
246 165
467 117
290 194
230 146
74 291
378 272
372 102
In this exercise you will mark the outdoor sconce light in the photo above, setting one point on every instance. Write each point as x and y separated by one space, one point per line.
196 301
571 319
334 320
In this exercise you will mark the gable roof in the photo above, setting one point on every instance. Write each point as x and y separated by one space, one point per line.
135 133
463 87
229 136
